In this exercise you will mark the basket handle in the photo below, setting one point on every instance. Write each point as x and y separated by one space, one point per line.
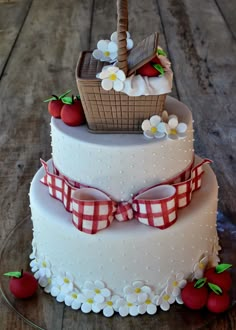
122 27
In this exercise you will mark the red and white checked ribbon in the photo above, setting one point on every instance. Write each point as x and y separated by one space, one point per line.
156 206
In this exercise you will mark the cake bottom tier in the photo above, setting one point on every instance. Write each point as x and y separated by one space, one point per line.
125 252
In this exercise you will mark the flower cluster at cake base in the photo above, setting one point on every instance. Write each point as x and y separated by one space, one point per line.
94 296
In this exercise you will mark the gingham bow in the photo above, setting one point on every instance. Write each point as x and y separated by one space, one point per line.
93 210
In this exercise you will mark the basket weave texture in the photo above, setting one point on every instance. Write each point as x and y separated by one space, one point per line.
111 111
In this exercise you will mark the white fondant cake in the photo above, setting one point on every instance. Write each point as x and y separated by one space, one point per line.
129 267
121 164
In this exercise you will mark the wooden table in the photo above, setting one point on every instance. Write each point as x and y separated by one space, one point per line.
39 46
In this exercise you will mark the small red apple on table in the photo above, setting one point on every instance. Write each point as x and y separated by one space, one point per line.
220 276
55 104
22 284
218 300
195 294
72 113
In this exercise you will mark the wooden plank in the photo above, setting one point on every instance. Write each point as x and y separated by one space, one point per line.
203 54
43 62
12 17
228 9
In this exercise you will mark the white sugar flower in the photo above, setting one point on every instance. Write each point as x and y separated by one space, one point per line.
106 51
175 129
109 306
125 307
96 290
179 299
57 292
154 128
129 42
149 305
34 264
72 299
46 283
112 78
65 281
88 303
175 283
137 292
165 300
199 268
44 268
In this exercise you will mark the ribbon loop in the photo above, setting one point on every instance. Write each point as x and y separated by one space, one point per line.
156 207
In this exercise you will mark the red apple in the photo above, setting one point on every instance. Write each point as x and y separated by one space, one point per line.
72 113
148 70
194 297
219 276
218 303
156 60
55 104
54 108
22 284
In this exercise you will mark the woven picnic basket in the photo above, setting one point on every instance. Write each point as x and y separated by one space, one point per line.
111 111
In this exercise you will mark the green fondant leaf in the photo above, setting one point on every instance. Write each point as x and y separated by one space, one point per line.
200 283
53 98
159 68
161 52
67 100
215 288
13 274
63 95
222 267
78 97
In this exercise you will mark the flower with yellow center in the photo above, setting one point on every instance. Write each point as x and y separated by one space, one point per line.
154 128
175 283
106 51
175 130
72 299
137 292
97 291
165 300
199 268
112 78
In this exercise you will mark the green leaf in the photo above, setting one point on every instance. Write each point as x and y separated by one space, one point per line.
13 274
222 267
67 100
78 97
161 52
159 68
215 288
53 98
63 95
200 283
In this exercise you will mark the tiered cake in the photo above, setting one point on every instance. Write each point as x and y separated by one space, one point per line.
125 252
122 221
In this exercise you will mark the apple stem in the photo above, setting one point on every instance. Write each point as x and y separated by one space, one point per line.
72 99
21 273
55 96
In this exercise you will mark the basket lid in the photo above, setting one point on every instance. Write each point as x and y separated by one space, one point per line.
142 53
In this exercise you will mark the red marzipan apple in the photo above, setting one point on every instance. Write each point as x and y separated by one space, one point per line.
218 303
73 114
194 298
54 108
148 70
22 284
223 280
55 104
156 60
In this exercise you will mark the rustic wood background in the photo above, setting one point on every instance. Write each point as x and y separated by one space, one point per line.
39 45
